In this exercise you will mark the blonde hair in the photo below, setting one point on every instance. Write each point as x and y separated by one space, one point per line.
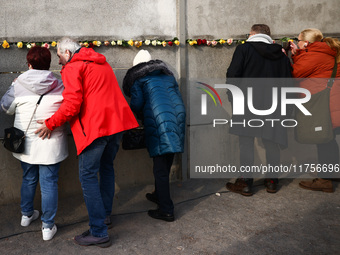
314 35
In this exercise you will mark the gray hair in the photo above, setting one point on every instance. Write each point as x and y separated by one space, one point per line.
68 44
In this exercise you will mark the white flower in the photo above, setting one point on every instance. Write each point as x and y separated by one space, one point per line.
154 42
119 42
113 43
147 42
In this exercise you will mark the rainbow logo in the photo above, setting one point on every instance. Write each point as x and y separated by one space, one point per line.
204 97
208 92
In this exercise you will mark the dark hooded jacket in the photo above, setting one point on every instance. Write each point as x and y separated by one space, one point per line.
155 96
267 61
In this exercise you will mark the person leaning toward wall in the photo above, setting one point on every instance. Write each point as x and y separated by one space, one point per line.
41 159
314 57
258 58
98 114
155 96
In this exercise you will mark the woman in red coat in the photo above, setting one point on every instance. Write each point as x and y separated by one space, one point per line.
314 57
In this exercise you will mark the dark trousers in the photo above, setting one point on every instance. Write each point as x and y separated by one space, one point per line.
161 170
328 153
247 154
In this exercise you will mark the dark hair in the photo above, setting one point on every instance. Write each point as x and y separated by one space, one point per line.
260 29
39 58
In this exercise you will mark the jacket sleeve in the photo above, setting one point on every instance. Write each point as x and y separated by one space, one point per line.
72 97
7 101
303 64
237 63
137 98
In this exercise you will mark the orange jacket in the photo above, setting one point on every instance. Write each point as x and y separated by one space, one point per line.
317 61
93 102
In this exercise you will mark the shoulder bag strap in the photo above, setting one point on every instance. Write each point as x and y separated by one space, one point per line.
331 80
34 112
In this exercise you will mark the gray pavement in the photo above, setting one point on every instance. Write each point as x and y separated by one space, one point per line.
292 221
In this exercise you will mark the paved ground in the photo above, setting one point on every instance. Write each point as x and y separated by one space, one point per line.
293 221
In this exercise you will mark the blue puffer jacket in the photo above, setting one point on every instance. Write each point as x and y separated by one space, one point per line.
155 95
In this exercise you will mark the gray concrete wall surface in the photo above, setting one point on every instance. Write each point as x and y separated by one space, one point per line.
32 21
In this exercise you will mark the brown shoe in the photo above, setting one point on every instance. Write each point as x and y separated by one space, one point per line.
240 187
317 184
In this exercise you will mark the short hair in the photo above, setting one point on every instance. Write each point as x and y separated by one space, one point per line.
39 58
261 29
311 35
68 44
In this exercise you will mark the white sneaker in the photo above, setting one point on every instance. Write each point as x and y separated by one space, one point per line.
26 221
48 233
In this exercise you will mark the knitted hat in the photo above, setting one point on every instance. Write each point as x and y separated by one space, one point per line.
142 56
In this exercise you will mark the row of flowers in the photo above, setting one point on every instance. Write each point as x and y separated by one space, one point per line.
230 41
92 44
136 43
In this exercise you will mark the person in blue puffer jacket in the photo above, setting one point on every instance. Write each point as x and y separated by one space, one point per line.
155 98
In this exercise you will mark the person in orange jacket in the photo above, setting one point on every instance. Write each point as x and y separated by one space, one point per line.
98 113
314 57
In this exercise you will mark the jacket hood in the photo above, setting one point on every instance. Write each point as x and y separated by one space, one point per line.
141 70
38 81
269 51
88 54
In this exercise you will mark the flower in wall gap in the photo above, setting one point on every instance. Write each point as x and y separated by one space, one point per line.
20 45
5 44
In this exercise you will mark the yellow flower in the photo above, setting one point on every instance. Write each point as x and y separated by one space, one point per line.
164 43
138 43
176 42
5 45
86 44
95 43
242 42
20 45
191 43
53 44
222 41
130 42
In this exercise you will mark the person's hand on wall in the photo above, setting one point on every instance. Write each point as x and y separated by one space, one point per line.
43 131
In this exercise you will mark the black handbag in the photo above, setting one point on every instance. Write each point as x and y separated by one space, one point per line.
134 139
316 128
14 138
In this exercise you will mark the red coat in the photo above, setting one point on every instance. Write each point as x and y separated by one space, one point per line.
93 102
317 61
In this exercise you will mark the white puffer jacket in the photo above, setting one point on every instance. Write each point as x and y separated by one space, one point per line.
21 99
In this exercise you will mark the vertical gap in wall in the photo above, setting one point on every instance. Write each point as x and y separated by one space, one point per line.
182 61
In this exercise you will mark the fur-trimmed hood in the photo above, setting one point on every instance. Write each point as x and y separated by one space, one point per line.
141 70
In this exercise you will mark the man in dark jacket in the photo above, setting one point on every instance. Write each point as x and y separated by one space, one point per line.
155 96
258 58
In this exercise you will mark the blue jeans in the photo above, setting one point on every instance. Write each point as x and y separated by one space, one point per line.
48 177
97 158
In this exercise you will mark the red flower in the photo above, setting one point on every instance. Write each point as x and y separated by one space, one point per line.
199 41
204 41
91 45
170 43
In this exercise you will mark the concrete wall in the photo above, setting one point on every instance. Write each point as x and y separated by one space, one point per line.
149 19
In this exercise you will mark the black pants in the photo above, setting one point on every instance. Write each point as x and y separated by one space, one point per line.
328 153
161 170
247 153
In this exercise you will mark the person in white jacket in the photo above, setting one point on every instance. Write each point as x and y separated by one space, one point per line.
41 159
